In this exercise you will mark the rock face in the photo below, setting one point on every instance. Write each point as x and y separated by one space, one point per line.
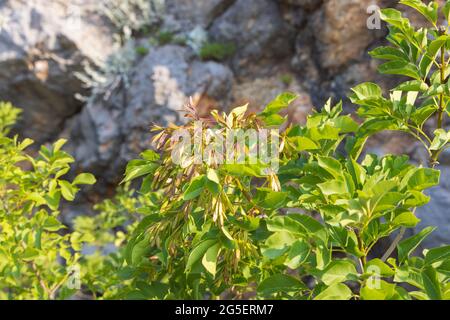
306 4
190 13
42 44
257 29
110 132
342 33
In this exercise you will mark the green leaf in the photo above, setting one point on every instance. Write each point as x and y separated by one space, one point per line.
422 178
154 290
385 200
346 239
281 102
441 138
303 144
437 89
323 256
413 85
296 224
278 244
356 171
274 120
388 53
284 223
406 274
338 271
446 10
443 268
298 254
416 199
209 260
30 254
423 114
337 291
37 198
195 188
126 273
77 239
407 246
242 170
346 124
38 239
67 190
247 223
394 17
406 219
431 283
25 144
198 252
326 132
379 267
385 291
430 12
333 187
84 178
59 144
372 126
150 155
280 283
238 112
212 187
331 165
419 295
269 199
138 168
213 176
140 250
52 224
432 51
310 224
400 68
437 255
366 91
53 200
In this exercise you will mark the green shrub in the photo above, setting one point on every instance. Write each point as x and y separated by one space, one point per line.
303 229
141 50
165 37
225 230
286 79
36 256
217 51
8 117
162 38
102 272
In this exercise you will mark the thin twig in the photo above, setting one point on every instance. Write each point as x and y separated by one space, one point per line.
41 281
394 244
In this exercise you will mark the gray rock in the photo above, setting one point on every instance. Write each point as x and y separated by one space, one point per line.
258 31
306 4
341 32
42 44
303 61
191 13
444 158
108 133
296 17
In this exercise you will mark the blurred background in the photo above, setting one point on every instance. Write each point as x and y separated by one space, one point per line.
101 72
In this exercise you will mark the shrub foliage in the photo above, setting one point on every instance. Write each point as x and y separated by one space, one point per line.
209 230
